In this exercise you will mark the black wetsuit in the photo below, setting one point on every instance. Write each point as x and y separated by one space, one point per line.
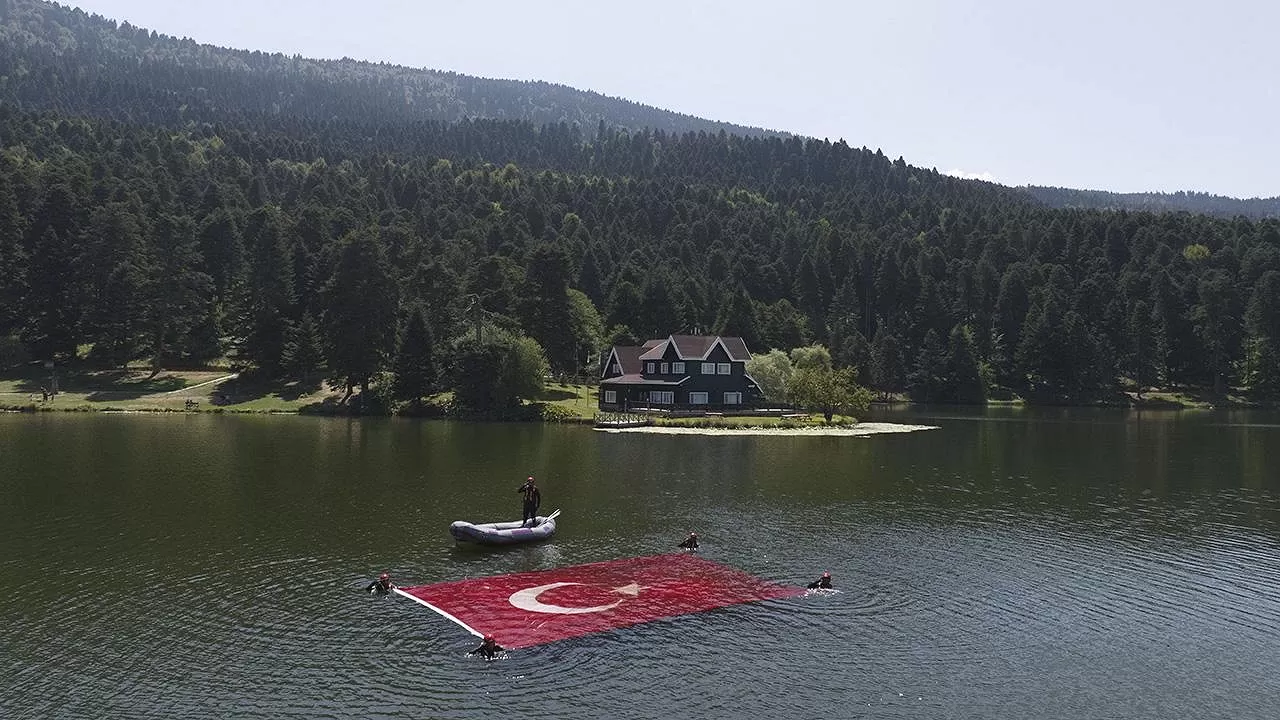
690 543
822 583
532 499
487 650
381 587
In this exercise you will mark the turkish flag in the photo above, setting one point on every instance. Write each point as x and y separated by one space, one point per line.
538 607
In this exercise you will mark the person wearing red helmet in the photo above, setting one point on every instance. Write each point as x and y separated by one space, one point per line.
822 583
488 648
691 542
381 586
532 499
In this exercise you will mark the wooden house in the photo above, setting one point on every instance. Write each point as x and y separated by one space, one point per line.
681 372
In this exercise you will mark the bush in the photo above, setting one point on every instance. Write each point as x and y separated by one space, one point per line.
557 413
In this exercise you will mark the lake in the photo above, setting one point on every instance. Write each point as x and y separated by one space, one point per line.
1047 563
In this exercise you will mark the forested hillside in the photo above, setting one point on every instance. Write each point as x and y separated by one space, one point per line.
370 248
1196 202
59 58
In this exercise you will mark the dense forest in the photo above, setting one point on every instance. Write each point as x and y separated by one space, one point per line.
371 246
1227 207
60 58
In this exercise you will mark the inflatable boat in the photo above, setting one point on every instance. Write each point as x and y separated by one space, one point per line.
505 533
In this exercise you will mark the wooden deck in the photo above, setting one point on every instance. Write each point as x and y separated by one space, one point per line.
622 420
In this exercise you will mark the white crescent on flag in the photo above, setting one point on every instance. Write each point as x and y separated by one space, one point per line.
527 599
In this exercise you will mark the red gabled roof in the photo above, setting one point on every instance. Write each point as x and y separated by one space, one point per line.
736 347
697 347
655 350
628 356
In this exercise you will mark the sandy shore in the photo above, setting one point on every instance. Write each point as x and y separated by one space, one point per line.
859 429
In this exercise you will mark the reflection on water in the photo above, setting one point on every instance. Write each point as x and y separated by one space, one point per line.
1015 563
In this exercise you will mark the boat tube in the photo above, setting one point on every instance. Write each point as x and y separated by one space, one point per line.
505 533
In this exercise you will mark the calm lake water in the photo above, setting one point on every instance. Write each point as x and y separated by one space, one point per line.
1010 564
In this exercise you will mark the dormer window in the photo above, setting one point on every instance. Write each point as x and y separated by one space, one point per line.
648 367
722 368
616 369
677 368
664 369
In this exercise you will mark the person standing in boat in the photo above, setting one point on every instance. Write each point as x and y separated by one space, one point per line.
822 583
532 499
488 648
691 542
381 586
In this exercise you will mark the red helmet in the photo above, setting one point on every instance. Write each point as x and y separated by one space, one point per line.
489 638
826 574
530 478
384 576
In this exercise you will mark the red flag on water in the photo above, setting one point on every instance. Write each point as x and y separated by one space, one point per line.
538 607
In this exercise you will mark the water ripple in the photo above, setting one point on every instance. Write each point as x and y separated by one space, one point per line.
960 594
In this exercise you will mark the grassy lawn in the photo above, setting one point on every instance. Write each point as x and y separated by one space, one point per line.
170 390
214 390
577 400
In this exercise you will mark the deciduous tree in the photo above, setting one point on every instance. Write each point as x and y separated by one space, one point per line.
829 391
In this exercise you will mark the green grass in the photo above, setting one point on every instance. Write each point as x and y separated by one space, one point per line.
137 390
577 401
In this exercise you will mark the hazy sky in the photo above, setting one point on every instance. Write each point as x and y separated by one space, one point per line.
1126 95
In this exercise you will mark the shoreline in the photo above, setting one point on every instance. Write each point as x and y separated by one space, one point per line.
859 430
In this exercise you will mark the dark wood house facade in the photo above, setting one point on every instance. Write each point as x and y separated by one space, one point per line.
681 372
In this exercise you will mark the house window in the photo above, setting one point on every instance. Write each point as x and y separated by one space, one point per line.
662 397
722 369
708 368
611 396
616 369
665 367
733 398
697 398
648 367
677 368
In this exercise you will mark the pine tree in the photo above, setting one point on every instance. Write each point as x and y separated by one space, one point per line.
416 367
361 302
302 354
1140 356
52 308
120 282
544 306
1262 320
928 381
181 293
963 375
884 373
271 302
737 317
13 260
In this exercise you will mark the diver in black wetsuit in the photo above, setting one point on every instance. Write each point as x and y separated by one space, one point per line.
532 499
488 648
691 542
381 586
822 583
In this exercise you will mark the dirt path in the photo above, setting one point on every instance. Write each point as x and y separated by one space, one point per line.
214 381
